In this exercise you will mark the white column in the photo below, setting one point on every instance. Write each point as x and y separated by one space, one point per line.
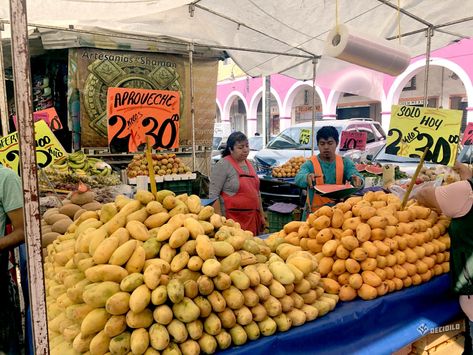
251 126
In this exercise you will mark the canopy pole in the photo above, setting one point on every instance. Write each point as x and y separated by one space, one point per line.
3 90
314 77
29 173
429 35
191 76
267 111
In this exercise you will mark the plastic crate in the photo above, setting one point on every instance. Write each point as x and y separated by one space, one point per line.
277 220
177 186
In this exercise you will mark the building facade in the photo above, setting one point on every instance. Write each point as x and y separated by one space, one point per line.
239 97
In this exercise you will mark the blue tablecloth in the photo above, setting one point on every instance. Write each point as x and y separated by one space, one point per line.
375 327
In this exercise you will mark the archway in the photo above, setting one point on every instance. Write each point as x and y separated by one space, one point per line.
450 88
235 111
255 118
298 103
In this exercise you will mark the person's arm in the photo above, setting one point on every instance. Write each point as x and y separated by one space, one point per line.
426 197
305 171
217 179
17 236
351 174
12 201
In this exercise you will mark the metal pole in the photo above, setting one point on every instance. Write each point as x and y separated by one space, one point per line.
314 76
191 76
3 90
267 112
427 64
29 174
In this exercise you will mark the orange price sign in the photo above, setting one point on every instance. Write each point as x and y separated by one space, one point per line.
48 115
353 140
135 114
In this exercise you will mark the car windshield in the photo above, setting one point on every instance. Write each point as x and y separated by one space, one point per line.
383 157
256 143
466 154
216 141
295 138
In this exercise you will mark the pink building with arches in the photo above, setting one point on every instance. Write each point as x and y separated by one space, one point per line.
450 86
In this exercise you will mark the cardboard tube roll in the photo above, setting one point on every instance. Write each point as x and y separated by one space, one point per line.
369 52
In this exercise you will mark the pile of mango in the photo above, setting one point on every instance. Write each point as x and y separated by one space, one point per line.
368 246
163 274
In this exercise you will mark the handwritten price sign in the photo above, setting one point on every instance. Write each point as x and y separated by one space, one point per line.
468 135
353 140
48 115
134 115
304 137
48 148
413 129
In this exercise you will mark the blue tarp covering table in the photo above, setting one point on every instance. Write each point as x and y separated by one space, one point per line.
380 326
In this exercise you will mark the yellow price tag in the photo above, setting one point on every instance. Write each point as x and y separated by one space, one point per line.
48 148
413 129
304 137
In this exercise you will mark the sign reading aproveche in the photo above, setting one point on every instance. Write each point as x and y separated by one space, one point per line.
137 114
468 135
353 140
48 148
413 129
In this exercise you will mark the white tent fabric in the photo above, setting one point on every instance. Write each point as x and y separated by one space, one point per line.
296 27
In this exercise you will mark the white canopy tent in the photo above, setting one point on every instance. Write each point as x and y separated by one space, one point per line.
262 36
286 26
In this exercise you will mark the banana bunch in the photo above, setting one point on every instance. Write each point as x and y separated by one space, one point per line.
61 165
78 163
78 160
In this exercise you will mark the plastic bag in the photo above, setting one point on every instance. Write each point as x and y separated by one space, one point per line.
400 192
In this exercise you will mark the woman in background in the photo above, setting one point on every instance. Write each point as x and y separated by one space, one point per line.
235 185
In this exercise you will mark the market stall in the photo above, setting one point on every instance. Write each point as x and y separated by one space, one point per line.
25 110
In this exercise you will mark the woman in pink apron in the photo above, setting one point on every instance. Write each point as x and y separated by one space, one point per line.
235 183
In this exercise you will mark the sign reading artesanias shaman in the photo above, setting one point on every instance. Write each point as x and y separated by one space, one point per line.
136 116
93 71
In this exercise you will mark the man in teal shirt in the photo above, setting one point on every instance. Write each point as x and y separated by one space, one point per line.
326 168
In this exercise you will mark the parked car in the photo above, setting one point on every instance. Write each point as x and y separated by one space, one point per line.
255 143
406 164
290 143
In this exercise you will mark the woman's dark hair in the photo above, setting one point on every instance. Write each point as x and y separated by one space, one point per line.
234 138
327 132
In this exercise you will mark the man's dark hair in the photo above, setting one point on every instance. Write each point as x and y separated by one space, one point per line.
234 138
327 132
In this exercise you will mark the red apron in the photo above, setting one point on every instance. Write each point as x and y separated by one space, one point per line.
244 206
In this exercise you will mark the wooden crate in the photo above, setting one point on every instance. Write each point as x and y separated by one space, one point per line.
433 340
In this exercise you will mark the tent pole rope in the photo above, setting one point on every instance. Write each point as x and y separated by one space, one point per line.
314 93
399 20
336 15
191 79
3 90
29 174
429 35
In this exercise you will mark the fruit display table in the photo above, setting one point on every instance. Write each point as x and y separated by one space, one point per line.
380 326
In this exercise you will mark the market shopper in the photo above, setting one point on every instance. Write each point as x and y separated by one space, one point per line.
326 168
11 208
456 201
235 185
